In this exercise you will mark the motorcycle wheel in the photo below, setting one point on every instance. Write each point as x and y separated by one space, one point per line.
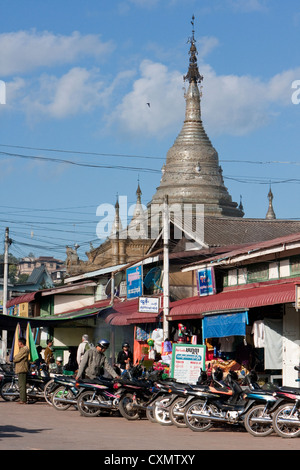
7 388
161 412
286 429
150 416
61 392
258 429
48 391
32 393
191 419
175 408
84 404
126 409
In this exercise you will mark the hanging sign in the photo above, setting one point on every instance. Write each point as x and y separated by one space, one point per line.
187 362
134 281
206 281
149 304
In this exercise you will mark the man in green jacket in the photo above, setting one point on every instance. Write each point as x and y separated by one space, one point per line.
94 361
21 368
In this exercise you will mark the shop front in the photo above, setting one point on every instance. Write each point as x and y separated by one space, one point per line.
243 329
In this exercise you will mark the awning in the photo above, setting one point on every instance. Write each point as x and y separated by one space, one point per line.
228 324
250 296
127 313
54 320
25 298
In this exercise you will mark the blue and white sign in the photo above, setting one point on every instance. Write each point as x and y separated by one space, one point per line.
206 281
134 280
149 304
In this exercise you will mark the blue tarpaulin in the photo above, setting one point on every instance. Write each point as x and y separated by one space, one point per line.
231 324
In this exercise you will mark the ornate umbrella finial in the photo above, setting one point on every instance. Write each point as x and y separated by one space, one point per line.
193 74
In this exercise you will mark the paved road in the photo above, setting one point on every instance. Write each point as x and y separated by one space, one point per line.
40 427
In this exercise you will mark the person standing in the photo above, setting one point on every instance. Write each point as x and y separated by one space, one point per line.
21 360
48 354
125 357
82 348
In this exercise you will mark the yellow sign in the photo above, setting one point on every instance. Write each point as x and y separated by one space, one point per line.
23 309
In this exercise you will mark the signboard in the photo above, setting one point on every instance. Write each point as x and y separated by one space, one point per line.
187 362
134 281
149 304
206 281
297 297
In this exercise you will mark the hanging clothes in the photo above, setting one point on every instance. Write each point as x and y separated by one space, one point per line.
273 343
258 331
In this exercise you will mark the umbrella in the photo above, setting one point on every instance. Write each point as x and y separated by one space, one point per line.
15 345
33 355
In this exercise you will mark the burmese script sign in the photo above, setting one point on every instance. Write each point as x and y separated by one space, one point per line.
187 362
149 304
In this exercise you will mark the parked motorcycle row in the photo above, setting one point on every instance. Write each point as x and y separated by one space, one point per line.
138 393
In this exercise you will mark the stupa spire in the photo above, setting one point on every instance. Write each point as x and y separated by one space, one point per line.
192 174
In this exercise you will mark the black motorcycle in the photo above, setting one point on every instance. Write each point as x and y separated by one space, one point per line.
65 392
97 396
170 410
286 419
225 402
137 392
35 385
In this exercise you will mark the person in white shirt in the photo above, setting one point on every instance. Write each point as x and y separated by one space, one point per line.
82 348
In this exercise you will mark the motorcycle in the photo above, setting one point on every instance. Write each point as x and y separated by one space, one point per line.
137 392
99 395
170 409
227 403
66 393
35 385
286 419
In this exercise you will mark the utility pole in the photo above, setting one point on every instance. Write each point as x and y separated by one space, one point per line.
7 242
166 286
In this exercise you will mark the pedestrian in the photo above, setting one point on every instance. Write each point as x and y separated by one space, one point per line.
59 365
21 360
125 357
82 348
94 361
48 354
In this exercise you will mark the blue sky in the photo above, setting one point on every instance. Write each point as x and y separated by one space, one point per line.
76 130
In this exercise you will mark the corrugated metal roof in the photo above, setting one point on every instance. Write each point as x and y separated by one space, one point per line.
127 313
29 297
248 248
233 300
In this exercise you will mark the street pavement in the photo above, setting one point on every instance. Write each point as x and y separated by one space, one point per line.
39 426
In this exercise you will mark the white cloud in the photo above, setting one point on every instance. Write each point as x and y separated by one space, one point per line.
24 51
231 104
76 92
162 90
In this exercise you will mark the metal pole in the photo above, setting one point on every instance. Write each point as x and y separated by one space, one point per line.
5 288
166 286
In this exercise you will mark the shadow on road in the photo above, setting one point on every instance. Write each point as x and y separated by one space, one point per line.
14 431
